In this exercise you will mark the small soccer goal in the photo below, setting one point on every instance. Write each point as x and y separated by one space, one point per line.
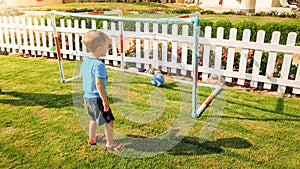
156 45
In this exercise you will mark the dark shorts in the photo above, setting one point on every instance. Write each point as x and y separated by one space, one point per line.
95 108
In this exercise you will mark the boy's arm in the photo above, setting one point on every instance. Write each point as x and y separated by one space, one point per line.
102 94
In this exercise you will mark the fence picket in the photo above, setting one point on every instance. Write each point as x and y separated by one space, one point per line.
244 56
105 29
44 38
115 42
50 38
297 78
69 43
257 58
18 34
6 33
155 47
84 51
1 35
175 49
77 40
37 36
287 60
12 34
184 52
218 53
25 37
63 38
272 59
206 52
31 37
138 44
146 45
231 53
164 50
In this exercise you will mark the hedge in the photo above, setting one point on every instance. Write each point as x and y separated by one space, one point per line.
269 28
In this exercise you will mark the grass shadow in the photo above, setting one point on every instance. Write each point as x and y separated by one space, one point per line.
191 146
187 146
37 99
279 110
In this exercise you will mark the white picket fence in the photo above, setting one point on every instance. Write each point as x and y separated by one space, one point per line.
156 46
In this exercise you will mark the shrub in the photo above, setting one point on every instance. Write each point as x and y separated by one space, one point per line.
203 24
231 12
283 28
246 25
226 24
181 11
208 12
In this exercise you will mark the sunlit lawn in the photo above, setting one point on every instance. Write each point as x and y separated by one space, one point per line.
42 123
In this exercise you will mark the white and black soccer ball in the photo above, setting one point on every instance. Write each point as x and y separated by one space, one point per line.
157 79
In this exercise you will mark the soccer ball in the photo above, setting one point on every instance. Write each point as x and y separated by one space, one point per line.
157 79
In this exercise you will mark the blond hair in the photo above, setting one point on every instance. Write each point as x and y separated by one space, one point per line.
95 39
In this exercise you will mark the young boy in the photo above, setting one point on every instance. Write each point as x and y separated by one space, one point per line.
94 78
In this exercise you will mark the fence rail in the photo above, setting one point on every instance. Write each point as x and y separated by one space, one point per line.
167 47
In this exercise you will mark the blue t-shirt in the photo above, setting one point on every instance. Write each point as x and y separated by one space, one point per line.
92 68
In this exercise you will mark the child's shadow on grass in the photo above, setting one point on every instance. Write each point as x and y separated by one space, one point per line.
191 146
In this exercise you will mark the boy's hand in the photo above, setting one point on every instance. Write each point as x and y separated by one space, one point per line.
105 106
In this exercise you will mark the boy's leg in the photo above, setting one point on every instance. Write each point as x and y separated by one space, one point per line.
92 130
109 134
110 144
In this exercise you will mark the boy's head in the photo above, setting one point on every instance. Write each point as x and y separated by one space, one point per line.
96 42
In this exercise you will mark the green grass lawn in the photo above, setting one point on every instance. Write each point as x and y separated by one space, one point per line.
42 123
